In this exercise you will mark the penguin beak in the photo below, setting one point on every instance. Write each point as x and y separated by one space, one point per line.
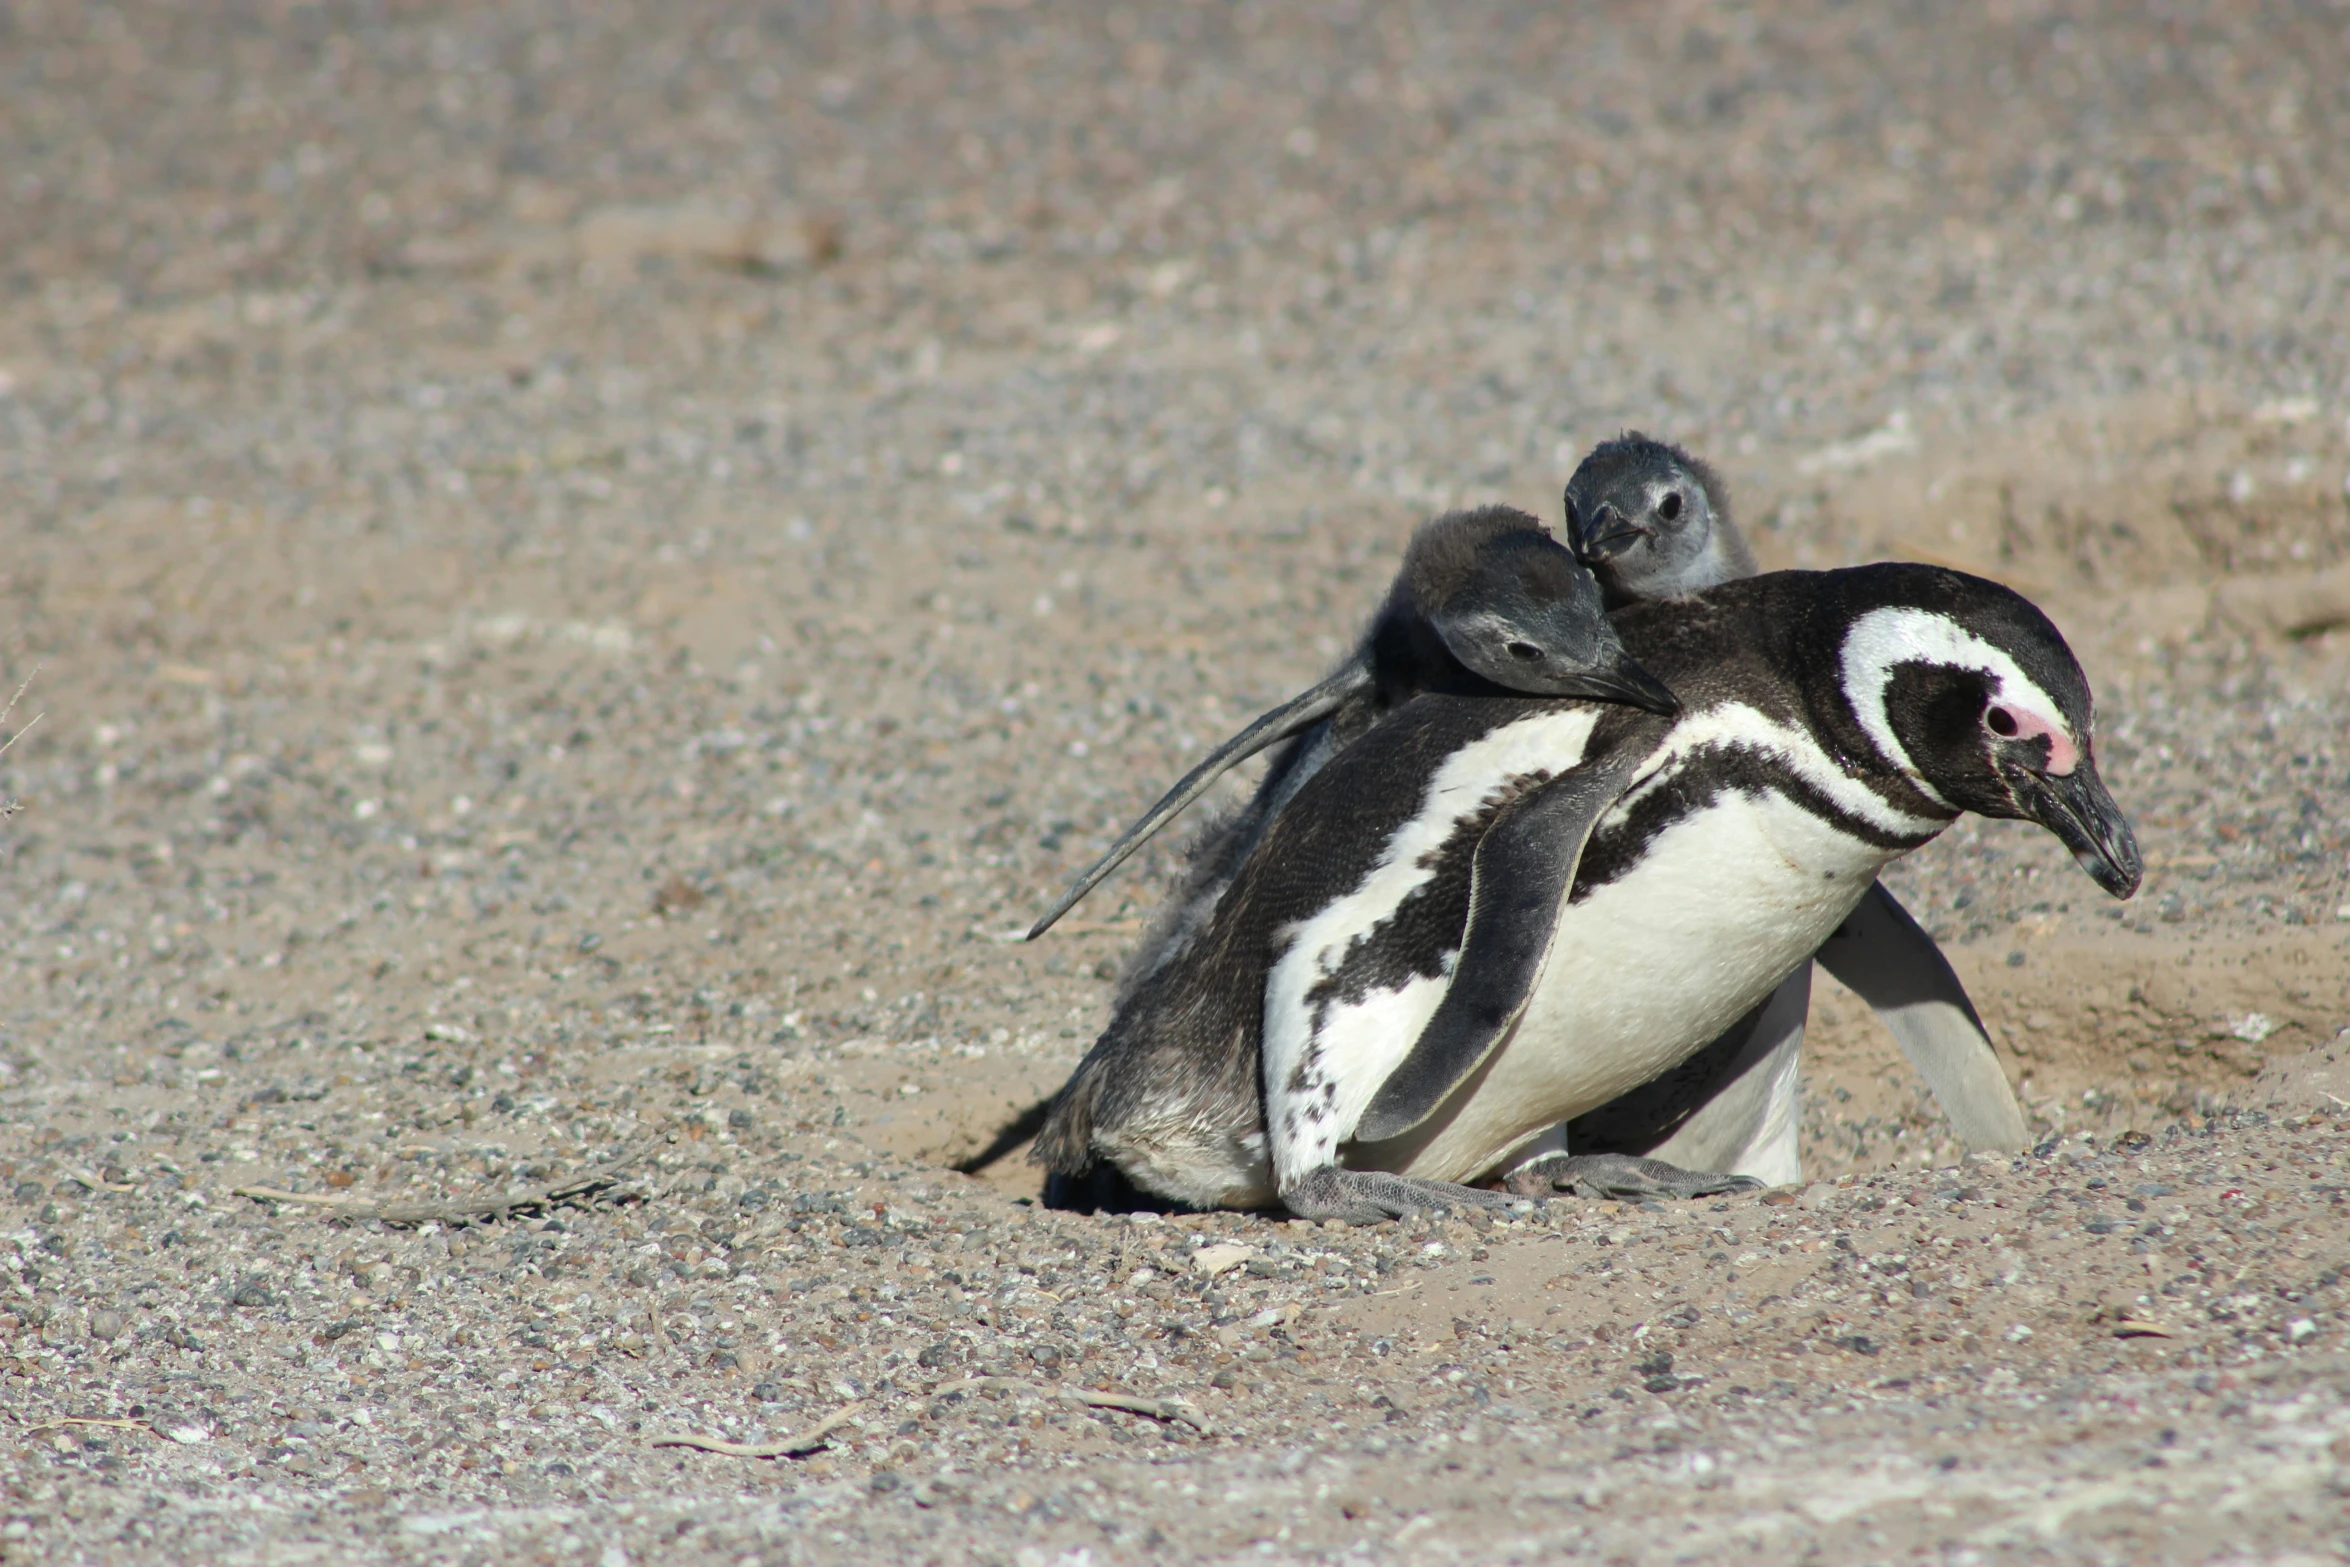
1621 680
2077 808
1609 534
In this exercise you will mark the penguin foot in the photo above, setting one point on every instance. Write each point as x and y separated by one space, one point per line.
1373 1196
1624 1177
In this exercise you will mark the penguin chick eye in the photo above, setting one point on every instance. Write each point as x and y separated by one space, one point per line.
1670 507
2001 722
1525 650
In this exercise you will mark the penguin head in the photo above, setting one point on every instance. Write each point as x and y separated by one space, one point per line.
1972 694
1508 602
1652 522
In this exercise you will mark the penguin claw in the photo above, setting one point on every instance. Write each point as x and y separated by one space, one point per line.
1375 1196
1620 1177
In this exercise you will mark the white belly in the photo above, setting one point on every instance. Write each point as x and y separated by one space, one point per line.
1648 970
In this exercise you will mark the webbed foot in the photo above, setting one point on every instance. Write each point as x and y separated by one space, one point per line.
1373 1196
1624 1177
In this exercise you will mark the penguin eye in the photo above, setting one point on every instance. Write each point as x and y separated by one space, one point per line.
2001 722
1670 507
1527 651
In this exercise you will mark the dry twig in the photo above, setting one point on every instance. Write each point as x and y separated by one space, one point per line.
9 807
2139 1327
790 1447
11 707
815 1436
92 1420
1155 1408
472 1211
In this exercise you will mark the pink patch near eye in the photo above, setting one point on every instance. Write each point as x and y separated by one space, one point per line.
2024 724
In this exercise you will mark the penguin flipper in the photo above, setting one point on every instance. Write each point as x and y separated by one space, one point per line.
1298 713
1523 867
1887 959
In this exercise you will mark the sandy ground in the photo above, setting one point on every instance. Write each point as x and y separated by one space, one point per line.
587 567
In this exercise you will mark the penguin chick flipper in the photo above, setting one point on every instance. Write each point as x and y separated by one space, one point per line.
1375 1196
1886 958
1621 1176
1523 867
1298 713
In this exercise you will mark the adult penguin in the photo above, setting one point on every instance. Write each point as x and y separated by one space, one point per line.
1491 914
1654 523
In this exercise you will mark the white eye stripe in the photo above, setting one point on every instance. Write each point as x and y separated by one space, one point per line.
1883 639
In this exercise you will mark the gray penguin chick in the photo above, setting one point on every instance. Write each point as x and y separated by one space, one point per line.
1654 523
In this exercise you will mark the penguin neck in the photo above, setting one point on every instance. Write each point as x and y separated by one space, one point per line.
1726 543
1725 558
1815 645
1407 657
1791 635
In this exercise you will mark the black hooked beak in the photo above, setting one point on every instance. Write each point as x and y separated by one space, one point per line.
2077 808
1621 680
1608 533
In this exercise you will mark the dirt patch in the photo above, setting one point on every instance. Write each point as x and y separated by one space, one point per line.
2101 1032
588 568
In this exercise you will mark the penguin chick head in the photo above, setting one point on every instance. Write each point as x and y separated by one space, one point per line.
1652 522
1506 601
1973 695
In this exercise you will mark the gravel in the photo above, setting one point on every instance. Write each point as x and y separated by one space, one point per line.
585 569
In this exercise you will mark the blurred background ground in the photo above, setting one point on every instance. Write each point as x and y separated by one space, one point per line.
588 564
